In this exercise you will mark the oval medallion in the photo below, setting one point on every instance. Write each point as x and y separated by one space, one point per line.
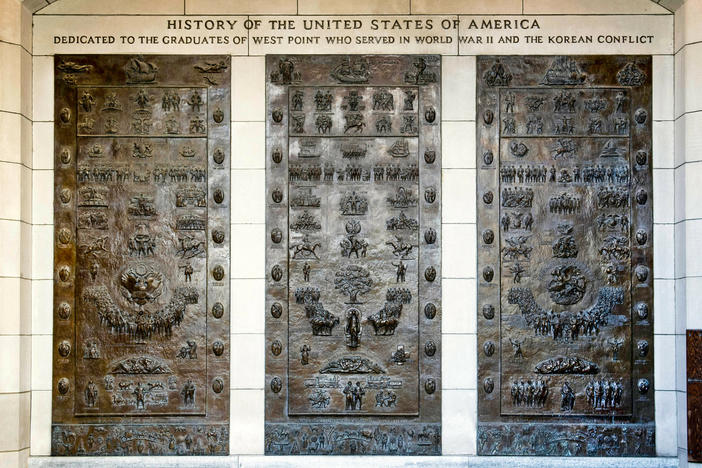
64 311
63 386
64 348
65 156
276 273
65 195
218 196
277 115
489 311
643 386
64 236
276 235
218 115
488 273
430 115
429 348
488 157
218 385
218 272
64 273
430 195
65 115
489 348
218 236
276 347
488 117
277 155
276 384
430 236
430 274
642 347
277 195
430 311
488 236
641 273
429 156
430 386
217 310
218 156
276 310
488 385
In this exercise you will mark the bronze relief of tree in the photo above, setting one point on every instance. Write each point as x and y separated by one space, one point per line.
353 280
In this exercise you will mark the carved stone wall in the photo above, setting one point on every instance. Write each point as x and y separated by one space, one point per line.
141 258
353 197
565 287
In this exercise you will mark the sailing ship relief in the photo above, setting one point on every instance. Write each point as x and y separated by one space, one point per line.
399 149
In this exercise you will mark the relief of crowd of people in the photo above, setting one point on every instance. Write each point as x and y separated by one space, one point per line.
529 393
570 328
353 173
533 174
604 393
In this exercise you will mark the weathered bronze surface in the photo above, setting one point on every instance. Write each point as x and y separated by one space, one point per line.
141 256
353 290
565 257
694 395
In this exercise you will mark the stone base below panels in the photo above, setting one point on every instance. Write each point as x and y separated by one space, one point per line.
349 462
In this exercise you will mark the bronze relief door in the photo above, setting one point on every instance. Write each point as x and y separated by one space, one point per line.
565 256
141 255
353 289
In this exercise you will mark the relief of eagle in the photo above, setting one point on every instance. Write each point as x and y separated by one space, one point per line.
140 284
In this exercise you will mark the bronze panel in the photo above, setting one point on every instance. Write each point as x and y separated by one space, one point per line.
565 256
141 255
353 203
694 395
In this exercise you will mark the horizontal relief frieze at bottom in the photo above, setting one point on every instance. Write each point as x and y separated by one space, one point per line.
577 440
134 439
353 439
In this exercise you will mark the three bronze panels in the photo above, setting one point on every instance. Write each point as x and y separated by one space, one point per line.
353 255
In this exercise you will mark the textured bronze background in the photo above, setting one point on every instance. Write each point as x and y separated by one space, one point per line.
353 313
694 395
565 257
141 257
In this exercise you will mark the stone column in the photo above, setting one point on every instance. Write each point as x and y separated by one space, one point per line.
15 230
458 218
664 258
688 193
248 234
